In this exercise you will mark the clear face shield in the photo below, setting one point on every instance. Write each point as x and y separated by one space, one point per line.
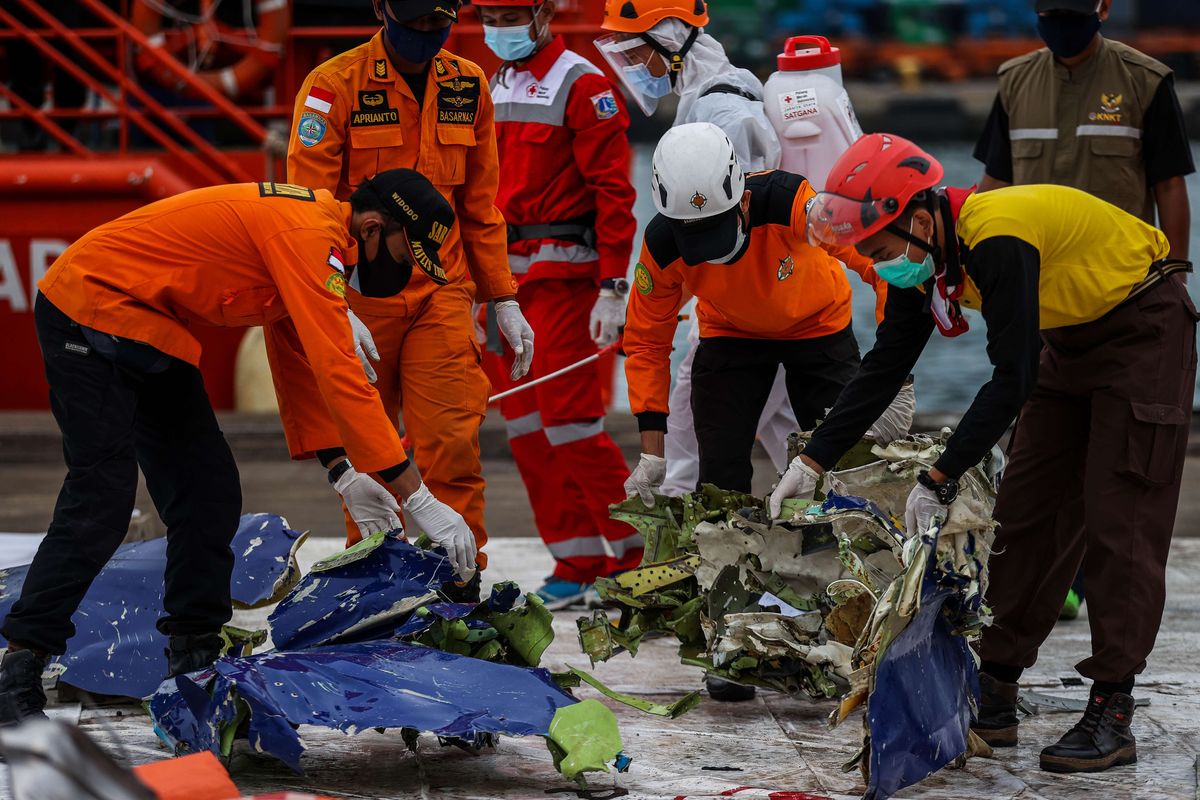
641 69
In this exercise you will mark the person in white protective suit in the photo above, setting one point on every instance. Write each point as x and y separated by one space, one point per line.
659 47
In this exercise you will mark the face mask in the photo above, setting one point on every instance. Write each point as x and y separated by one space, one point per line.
511 43
739 243
382 276
640 81
1068 35
414 46
903 273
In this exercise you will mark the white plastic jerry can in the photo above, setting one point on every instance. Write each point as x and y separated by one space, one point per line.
809 108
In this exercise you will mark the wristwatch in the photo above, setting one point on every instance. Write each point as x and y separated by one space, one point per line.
618 285
946 491
339 470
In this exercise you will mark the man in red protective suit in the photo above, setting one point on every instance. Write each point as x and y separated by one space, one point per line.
566 195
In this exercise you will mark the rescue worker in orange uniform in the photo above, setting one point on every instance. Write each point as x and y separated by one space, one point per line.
765 298
400 100
565 193
113 319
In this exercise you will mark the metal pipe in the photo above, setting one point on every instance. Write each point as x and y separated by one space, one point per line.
60 176
556 374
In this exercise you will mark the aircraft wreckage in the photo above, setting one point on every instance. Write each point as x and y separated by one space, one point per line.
831 601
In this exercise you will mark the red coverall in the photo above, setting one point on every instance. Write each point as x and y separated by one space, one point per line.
564 157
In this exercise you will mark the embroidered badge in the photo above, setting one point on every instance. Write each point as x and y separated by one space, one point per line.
642 279
786 267
336 284
311 128
605 105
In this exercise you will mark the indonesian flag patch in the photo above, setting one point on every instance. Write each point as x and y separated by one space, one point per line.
336 261
319 99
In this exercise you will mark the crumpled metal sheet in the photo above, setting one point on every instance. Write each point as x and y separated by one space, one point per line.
351 688
116 649
919 710
364 593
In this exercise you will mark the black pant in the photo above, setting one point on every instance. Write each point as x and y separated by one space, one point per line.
114 419
732 379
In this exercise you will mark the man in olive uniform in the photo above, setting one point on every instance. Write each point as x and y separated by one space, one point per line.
1093 114
1096 115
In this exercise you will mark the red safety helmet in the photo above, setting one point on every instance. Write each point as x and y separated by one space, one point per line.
869 186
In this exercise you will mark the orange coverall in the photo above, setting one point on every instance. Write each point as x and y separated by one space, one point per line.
238 256
356 116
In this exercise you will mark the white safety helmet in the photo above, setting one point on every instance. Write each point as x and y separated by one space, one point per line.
698 185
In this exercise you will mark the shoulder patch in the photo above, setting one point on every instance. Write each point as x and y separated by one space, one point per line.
311 128
380 70
336 284
269 189
642 279
605 104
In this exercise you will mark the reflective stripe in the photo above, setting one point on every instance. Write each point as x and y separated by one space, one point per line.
622 546
577 431
1109 130
524 425
578 547
549 113
550 251
1018 134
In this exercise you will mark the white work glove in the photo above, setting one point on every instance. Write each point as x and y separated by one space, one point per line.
922 506
518 334
799 480
371 506
897 419
445 527
364 345
646 478
608 315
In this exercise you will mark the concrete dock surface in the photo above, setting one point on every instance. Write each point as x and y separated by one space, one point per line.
772 744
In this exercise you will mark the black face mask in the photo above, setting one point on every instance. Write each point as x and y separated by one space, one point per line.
382 276
1068 35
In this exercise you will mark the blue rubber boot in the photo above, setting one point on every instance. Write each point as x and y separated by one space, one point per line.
558 594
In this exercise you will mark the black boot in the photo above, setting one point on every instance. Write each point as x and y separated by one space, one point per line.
21 693
727 691
1100 740
192 652
997 720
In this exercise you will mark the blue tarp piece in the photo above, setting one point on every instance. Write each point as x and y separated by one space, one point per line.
919 711
365 593
354 687
845 502
116 648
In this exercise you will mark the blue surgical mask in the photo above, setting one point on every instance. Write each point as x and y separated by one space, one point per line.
902 272
639 79
509 43
414 46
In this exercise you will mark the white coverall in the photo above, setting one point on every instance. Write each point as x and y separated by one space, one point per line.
745 122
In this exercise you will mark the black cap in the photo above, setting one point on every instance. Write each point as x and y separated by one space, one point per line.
422 210
408 10
1075 6
701 240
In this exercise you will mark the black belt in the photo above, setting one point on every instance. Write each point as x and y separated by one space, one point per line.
580 231
1159 271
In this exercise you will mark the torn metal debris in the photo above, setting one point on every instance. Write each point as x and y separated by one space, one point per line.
116 649
834 600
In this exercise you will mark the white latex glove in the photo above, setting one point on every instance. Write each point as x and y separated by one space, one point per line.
608 315
445 527
364 345
371 506
922 506
799 480
646 478
518 334
897 419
